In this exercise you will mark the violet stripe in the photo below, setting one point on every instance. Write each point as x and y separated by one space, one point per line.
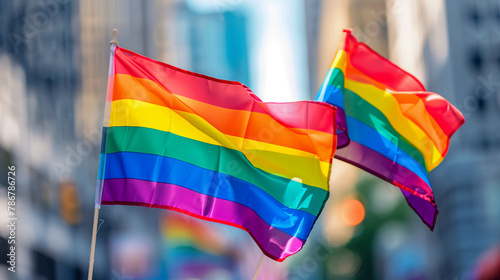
383 167
342 132
426 210
271 240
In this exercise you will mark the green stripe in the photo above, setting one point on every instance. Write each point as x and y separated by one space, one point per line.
216 158
336 78
362 110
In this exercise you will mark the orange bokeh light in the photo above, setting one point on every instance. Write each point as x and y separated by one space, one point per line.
352 212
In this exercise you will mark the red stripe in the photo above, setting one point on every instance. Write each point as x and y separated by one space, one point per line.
443 112
379 68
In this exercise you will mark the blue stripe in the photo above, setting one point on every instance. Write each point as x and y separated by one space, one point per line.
161 169
369 137
332 95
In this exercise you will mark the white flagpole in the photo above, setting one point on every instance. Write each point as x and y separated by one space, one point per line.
258 267
113 44
92 246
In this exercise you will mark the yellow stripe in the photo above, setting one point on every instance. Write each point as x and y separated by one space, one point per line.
179 233
389 106
340 61
274 132
282 161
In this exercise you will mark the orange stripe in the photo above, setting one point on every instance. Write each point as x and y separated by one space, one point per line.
239 123
413 107
447 117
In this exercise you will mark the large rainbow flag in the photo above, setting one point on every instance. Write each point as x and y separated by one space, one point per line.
387 123
211 149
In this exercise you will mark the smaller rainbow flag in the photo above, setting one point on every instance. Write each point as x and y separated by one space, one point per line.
387 123
211 149
195 249
181 230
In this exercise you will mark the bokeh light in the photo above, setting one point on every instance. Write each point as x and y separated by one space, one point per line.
352 212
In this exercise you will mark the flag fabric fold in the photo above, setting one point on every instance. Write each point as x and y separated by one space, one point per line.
387 123
211 149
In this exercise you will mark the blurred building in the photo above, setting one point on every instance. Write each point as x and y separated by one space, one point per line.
210 39
312 15
454 49
367 19
54 60
39 84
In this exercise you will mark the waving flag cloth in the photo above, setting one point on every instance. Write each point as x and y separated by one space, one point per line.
211 149
387 123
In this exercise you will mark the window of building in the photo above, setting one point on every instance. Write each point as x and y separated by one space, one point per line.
45 266
474 16
476 101
496 13
5 161
476 60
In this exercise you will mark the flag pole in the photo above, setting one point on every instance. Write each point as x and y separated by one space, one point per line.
92 246
113 43
258 267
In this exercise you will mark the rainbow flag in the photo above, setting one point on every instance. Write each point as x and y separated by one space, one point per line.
211 149
182 231
387 124
195 249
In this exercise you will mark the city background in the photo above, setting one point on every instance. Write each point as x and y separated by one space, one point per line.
54 57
